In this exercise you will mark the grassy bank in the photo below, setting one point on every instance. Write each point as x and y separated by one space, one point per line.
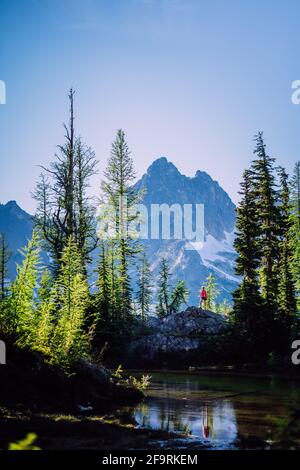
69 432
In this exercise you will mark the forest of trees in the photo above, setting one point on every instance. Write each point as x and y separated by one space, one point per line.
58 311
268 246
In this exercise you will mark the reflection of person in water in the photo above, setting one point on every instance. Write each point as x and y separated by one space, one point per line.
205 426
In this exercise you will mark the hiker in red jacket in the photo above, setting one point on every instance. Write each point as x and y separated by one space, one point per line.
203 297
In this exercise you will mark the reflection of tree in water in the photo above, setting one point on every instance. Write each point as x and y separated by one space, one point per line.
225 422
180 424
144 411
165 417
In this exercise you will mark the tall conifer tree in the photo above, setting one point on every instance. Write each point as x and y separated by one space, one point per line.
163 307
286 294
64 210
294 235
144 292
104 295
5 256
212 292
121 198
267 219
247 246
179 296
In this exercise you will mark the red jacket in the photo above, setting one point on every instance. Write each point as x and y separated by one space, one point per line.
203 294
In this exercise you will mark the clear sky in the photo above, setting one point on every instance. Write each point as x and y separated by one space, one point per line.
192 80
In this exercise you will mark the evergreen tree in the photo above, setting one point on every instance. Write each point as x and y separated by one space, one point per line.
144 292
5 256
64 209
294 230
247 246
267 219
253 323
246 242
163 307
121 199
179 296
113 266
104 295
212 291
286 295
85 168
264 302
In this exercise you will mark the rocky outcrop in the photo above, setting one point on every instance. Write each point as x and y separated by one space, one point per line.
179 332
192 321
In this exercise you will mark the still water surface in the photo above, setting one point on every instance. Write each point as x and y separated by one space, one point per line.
217 411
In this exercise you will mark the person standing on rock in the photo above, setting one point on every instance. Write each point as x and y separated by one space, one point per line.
203 297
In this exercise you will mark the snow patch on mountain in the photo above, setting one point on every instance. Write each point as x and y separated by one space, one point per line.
214 252
212 248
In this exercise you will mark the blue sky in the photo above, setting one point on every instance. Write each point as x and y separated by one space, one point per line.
192 80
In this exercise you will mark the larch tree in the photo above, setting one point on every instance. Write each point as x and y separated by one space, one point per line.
43 325
70 340
20 311
64 210
45 286
85 233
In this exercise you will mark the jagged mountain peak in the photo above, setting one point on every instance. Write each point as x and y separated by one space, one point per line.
11 203
204 176
162 167
163 183
12 210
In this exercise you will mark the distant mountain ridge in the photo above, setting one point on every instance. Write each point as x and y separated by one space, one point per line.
163 183
17 226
